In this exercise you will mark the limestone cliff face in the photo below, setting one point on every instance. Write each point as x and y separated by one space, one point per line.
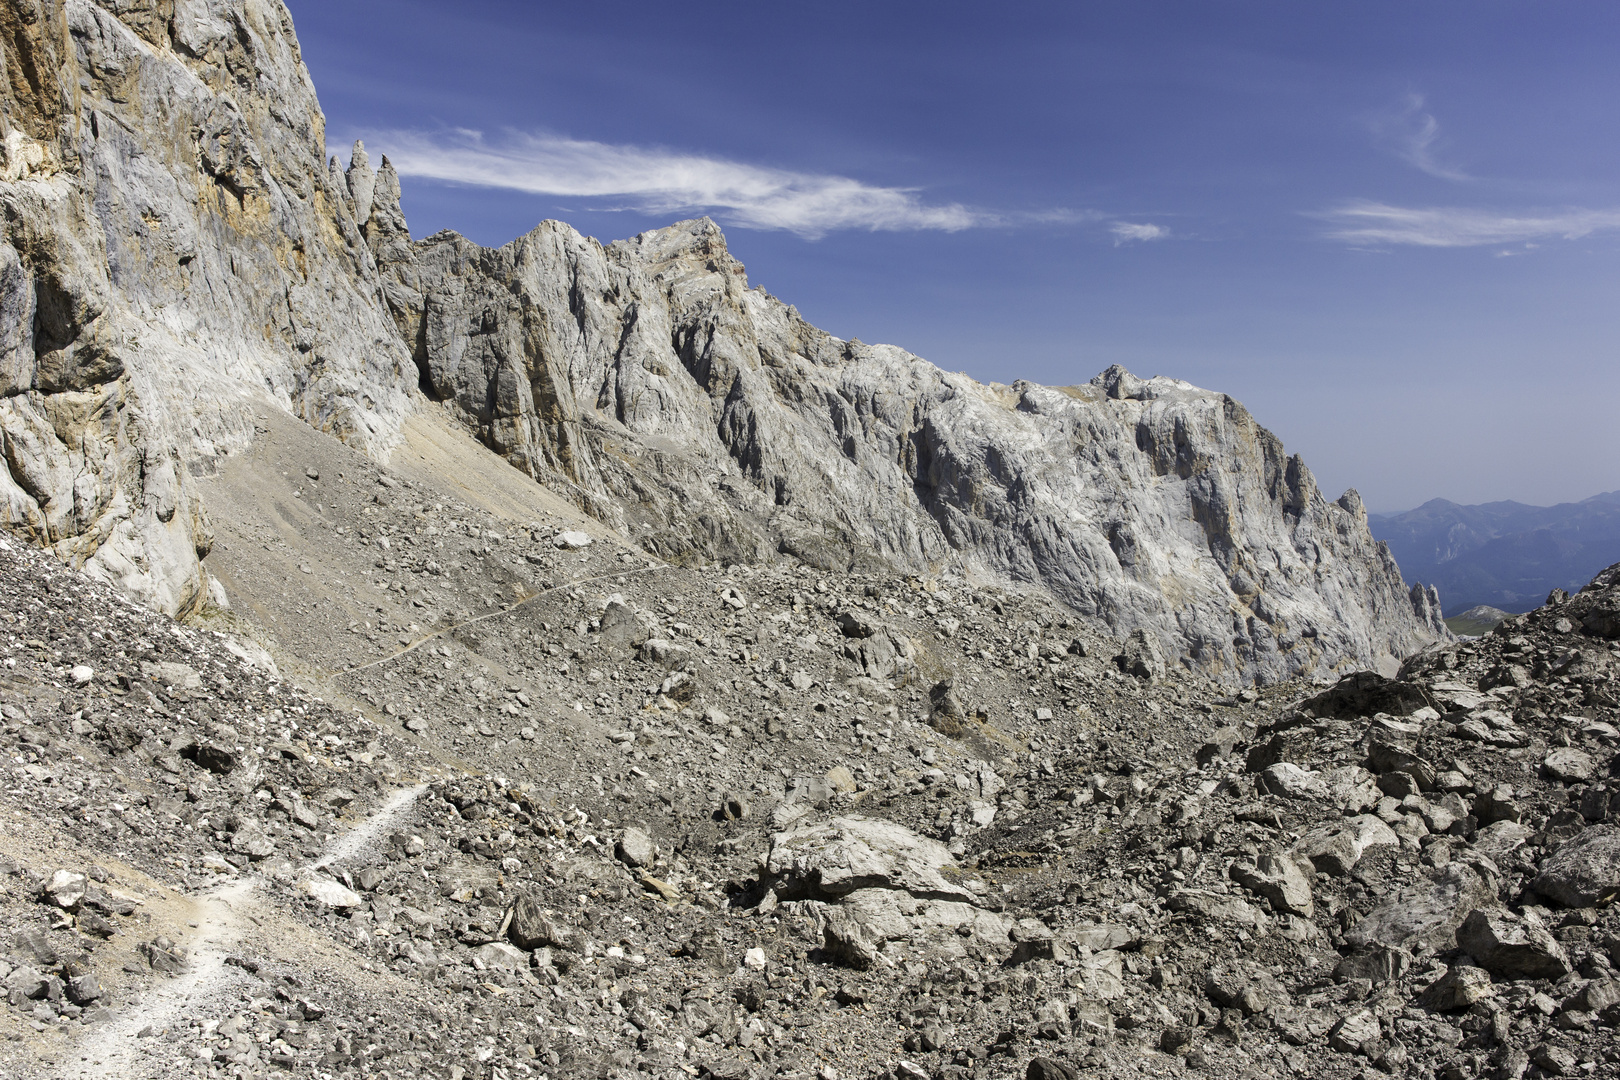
1426 606
175 255
710 420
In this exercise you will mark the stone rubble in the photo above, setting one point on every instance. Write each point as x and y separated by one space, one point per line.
696 881
817 713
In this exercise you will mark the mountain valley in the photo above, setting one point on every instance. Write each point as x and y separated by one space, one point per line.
1505 554
562 660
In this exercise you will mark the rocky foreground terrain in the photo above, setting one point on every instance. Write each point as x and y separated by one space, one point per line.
562 661
557 808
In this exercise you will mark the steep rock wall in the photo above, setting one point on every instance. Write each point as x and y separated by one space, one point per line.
709 419
175 256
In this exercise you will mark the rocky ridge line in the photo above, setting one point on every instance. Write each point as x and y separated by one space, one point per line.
645 380
171 223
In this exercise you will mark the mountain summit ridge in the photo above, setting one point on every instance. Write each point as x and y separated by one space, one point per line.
184 255
1107 494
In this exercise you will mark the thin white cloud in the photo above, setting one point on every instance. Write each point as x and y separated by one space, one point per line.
1126 232
665 182
1413 134
1372 224
1059 216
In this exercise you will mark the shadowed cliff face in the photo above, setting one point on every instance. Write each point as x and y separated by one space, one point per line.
649 381
178 257
175 256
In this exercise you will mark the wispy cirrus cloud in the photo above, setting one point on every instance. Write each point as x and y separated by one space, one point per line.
662 181
1375 224
1126 232
1414 134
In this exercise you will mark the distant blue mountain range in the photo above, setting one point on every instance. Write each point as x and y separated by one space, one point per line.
1503 554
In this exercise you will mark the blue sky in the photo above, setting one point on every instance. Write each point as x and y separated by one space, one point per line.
1390 229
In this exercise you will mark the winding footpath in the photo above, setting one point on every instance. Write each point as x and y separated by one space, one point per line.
116 1048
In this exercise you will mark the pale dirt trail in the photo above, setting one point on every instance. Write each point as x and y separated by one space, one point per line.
351 842
224 917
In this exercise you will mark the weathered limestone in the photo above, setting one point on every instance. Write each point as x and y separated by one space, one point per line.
175 257
646 380
179 255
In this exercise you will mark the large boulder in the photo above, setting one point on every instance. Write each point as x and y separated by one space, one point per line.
1567 765
831 859
882 652
1365 693
856 928
1142 657
875 882
1336 848
1279 879
502 957
1512 946
531 927
1292 782
635 848
623 628
1500 840
1215 907
1461 987
1597 606
65 888
1386 754
1424 917
1585 871
947 713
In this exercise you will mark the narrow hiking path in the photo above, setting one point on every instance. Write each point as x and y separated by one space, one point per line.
137 1042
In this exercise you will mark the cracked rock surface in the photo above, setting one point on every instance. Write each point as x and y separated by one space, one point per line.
792 709
178 262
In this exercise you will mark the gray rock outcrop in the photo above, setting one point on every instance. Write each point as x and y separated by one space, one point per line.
1597 606
872 881
179 255
1513 946
646 380
831 859
1584 871
175 257
1426 606
1423 917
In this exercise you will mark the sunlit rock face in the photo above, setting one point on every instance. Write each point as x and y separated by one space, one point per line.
179 256
176 256
648 380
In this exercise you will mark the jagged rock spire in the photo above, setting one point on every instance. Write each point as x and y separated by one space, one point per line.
362 183
1426 606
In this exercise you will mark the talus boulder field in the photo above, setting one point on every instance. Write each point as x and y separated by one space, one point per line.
622 678
528 845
